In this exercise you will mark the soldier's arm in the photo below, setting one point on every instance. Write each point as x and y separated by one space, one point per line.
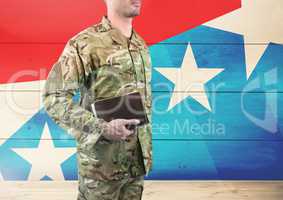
149 89
64 79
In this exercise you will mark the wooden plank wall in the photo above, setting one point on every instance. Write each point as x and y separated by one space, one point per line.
237 137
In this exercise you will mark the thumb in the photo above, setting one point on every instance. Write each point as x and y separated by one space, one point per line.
132 121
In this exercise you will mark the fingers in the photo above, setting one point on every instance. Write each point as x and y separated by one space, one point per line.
122 132
125 132
124 137
118 128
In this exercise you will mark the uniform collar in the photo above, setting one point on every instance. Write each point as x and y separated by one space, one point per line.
118 36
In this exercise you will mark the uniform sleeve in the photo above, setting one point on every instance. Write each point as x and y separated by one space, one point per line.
149 91
64 79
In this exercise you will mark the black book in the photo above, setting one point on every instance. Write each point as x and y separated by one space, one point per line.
128 106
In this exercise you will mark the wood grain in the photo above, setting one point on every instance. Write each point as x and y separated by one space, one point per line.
154 190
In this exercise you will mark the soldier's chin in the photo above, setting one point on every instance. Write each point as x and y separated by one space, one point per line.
133 13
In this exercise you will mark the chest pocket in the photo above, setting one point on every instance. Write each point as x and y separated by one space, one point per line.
114 75
117 63
120 61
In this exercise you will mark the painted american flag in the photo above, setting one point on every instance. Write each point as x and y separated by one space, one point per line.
216 81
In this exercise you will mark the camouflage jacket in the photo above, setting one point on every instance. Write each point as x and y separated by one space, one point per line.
100 62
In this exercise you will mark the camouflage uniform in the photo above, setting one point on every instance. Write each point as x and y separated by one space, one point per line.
100 62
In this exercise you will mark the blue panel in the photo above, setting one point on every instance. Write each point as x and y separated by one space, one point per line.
200 160
233 116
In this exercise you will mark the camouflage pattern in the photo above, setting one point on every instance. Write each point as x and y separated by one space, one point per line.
125 189
100 62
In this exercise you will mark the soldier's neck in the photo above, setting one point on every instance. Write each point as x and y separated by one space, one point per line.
124 24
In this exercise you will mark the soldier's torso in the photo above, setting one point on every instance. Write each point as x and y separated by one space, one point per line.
114 66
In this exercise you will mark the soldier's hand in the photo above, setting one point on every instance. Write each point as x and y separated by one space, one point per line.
116 129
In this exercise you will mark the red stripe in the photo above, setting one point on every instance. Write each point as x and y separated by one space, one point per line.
34 32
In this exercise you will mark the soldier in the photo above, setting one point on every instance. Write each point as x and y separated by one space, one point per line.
104 60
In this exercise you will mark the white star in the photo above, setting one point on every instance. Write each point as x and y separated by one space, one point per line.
189 80
260 21
45 159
